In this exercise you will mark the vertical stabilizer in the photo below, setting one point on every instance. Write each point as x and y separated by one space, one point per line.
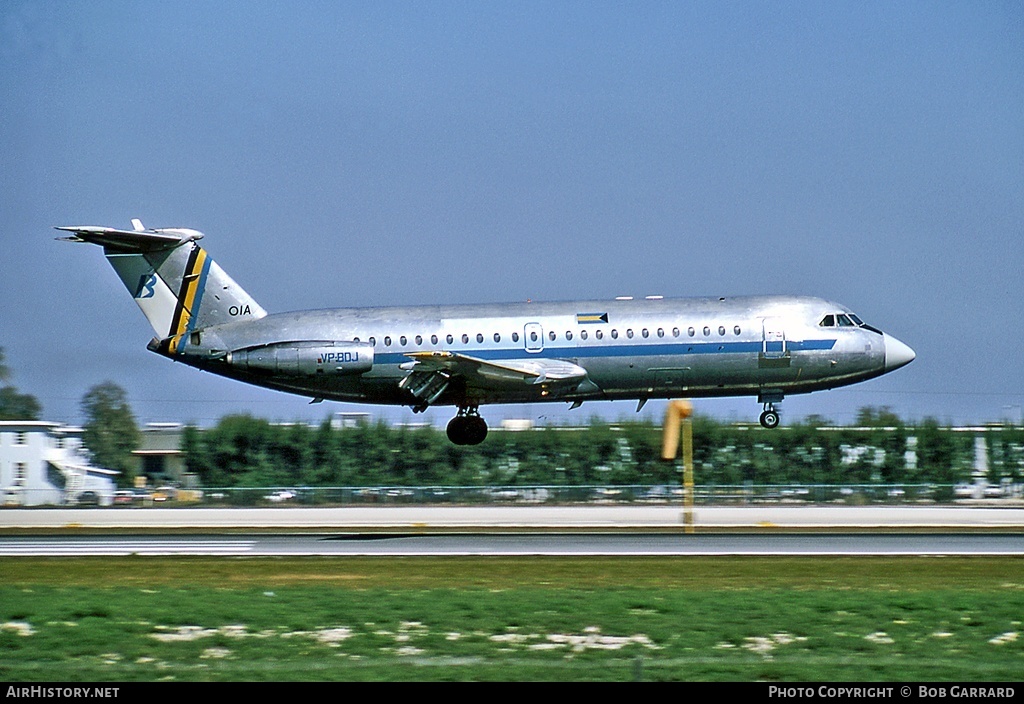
178 287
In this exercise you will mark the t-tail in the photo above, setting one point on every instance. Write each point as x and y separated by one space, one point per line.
179 288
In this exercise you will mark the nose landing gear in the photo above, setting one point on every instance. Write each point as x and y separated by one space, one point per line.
769 417
768 398
467 428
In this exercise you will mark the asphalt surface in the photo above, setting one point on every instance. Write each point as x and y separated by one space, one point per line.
519 544
420 519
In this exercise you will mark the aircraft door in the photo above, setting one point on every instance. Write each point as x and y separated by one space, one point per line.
773 342
533 337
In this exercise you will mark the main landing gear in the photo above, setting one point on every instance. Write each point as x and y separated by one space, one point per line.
467 428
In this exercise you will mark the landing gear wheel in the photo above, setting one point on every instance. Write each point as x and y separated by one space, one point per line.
457 430
770 419
476 430
467 428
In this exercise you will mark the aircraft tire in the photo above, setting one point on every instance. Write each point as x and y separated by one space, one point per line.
456 430
770 419
476 430
467 430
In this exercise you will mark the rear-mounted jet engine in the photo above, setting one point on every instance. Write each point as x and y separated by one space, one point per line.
305 358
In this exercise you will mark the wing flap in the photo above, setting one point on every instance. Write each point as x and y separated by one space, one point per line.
489 374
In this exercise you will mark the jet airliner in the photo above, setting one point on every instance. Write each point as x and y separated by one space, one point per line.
468 356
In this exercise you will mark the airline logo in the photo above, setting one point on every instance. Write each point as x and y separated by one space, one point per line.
146 284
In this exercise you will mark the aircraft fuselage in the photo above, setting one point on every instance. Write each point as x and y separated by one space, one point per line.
637 349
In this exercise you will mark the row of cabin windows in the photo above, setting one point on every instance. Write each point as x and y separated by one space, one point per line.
553 336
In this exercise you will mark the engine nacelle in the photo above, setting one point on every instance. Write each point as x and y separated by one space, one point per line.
305 358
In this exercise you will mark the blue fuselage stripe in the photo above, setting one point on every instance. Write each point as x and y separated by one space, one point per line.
620 350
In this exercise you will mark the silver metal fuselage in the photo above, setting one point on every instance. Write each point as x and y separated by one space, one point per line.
768 346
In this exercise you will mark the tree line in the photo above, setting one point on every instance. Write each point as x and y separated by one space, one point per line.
15 405
245 451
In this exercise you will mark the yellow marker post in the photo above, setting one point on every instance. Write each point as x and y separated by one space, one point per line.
688 475
677 415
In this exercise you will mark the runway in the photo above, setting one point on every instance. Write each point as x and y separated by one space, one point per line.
506 545
615 518
514 531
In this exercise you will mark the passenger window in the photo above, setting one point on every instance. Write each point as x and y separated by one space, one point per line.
515 337
465 339
691 332
403 340
387 341
373 341
629 333
551 335
450 339
721 329
479 337
568 334
615 334
419 340
433 339
661 332
533 337
599 334
355 339
583 334
707 331
736 330
497 337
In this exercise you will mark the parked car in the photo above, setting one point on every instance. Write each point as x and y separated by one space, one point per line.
966 491
165 493
280 496
87 498
125 497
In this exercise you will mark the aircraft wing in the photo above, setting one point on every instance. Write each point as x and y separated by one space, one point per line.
432 371
529 371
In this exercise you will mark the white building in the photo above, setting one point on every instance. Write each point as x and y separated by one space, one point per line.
159 457
45 463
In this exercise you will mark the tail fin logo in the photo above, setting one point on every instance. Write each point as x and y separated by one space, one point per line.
145 289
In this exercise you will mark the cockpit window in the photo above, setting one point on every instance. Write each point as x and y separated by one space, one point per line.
846 320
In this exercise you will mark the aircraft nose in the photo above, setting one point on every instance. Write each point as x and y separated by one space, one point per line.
897 354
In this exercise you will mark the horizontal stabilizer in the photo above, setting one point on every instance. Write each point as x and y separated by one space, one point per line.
131 240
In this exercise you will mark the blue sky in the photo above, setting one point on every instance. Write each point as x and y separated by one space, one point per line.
445 152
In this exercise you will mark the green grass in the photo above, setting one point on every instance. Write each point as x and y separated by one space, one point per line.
280 619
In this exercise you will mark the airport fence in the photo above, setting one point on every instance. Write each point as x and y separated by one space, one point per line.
704 494
854 495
